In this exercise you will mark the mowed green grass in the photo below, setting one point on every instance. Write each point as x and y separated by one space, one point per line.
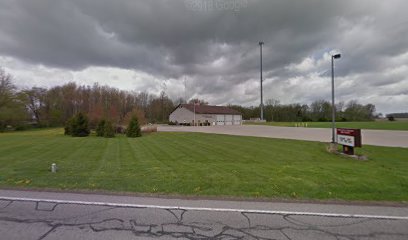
378 125
201 164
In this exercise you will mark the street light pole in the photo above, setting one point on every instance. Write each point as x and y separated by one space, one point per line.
194 114
260 45
336 56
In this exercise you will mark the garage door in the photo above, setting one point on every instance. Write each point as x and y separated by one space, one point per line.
220 120
228 119
237 119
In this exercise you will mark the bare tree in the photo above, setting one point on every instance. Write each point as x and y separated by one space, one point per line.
35 102
7 89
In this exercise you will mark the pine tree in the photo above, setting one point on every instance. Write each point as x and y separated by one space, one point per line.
79 126
133 129
109 131
100 128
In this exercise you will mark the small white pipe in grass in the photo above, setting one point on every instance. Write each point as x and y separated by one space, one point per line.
54 168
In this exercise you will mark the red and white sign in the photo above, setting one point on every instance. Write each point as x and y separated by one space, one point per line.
349 137
345 140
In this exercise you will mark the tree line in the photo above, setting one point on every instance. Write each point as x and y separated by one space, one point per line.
78 126
397 115
317 111
54 106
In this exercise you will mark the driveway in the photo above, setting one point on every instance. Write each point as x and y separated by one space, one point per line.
369 137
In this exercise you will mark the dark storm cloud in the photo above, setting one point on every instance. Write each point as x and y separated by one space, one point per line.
216 48
153 33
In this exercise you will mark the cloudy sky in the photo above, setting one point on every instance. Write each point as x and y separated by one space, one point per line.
212 45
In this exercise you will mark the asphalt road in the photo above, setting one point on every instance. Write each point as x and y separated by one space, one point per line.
48 215
369 137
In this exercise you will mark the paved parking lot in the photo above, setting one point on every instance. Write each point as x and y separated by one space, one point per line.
370 137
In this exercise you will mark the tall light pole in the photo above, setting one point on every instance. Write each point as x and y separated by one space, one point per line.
260 45
336 56
194 113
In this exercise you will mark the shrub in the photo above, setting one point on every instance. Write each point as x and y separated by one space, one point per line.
109 131
133 129
22 127
77 126
100 128
306 119
340 119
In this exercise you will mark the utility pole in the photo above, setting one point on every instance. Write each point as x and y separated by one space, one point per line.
262 115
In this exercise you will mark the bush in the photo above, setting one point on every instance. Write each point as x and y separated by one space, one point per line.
109 131
133 129
77 126
391 118
100 128
105 129
323 119
22 127
306 119
341 119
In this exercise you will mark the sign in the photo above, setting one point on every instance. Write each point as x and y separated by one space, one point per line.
345 140
349 137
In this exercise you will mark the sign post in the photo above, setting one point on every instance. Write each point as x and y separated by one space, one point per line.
349 138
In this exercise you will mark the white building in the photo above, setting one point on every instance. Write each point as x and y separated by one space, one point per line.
188 114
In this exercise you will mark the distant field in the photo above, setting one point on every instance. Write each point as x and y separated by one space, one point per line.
201 164
379 125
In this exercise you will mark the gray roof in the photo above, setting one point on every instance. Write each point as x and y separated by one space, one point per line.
207 109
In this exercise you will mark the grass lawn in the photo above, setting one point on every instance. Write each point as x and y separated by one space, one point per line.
379 125
201 164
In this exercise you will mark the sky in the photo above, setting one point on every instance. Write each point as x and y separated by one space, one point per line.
209 49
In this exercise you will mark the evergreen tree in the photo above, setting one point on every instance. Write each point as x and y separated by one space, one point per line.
133 129
109 131
100 128
79 126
